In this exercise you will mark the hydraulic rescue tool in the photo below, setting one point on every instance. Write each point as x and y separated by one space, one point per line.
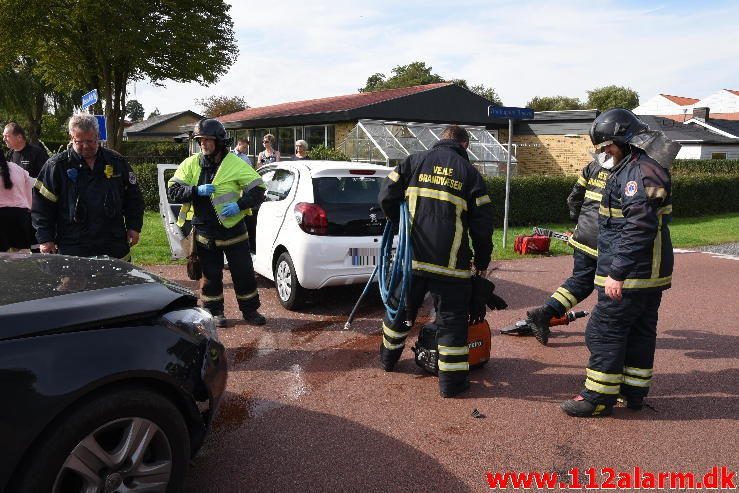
550 234
523 327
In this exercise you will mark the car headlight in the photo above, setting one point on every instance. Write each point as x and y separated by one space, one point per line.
195 321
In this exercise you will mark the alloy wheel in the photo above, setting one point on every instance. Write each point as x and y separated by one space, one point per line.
283 280
122 456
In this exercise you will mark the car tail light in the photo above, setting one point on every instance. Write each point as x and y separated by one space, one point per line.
361 172
311 218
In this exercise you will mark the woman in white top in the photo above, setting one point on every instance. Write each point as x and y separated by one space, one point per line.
269 154
16 232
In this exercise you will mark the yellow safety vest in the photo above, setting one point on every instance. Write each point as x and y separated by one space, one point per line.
232 179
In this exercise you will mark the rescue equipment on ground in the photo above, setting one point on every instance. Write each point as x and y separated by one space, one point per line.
551 234
523 328
426 349
530 244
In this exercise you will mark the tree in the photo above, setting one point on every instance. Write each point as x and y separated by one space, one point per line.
605 98
413 74
214 106
554 103
24 95
487 93
80 44
154 113
135 110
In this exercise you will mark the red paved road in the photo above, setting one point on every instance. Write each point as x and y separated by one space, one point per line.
308 409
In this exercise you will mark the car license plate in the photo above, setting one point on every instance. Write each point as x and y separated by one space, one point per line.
364 256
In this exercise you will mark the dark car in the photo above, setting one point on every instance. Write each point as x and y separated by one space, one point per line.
109 376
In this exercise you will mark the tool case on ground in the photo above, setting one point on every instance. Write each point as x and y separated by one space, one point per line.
526 244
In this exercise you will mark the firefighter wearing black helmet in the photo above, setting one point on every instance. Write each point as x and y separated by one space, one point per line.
218 191
634 266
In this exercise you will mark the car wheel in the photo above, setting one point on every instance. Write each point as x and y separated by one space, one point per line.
124 440
289 290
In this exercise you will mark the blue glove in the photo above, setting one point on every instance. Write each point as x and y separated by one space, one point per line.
206 189
230 209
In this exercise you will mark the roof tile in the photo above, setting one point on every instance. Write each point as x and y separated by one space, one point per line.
680 100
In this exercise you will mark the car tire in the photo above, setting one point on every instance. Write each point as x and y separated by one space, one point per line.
289 291
92 438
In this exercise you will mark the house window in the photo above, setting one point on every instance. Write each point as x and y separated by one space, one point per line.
718 155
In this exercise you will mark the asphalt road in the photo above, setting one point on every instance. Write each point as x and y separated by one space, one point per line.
309 409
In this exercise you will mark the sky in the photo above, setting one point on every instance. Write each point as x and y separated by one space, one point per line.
295 50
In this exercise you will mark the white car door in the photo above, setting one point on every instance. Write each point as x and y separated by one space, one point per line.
278 201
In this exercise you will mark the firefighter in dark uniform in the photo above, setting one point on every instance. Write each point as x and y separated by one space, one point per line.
635 262
583 203
449 206
86 201
28 156
217 190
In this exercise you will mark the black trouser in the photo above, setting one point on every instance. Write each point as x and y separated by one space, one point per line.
577 287
451 303
242 274
621 337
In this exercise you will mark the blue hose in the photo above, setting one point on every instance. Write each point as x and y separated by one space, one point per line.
395 270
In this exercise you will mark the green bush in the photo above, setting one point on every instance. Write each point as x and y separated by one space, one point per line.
146 175
534 199
543 199
321 153
700 195
705 166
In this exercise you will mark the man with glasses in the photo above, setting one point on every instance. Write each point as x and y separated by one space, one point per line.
86 201
635 261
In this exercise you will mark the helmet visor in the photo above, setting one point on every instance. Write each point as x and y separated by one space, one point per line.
602 146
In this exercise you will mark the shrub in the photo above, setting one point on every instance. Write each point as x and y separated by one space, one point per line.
543 199
146 176
705 166
322 153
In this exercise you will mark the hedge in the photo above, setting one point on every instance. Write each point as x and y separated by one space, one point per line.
140 151
705 166
543 199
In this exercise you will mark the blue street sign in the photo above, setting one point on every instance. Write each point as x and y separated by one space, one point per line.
89 99
510 112
101 123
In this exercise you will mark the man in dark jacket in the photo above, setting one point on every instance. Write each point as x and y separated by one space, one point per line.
30 157
583 202
449 207
86 201
635 262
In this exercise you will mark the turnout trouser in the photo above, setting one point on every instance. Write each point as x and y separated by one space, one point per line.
577 287
621 336
242 274
451 303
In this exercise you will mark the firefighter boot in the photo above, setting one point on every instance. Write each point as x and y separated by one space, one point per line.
581 408
254 318
538 319
389 357
635 403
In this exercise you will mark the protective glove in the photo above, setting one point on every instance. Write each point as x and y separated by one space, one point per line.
230 209
482 295
206 189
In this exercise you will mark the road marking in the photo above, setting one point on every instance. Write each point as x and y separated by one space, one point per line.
712 254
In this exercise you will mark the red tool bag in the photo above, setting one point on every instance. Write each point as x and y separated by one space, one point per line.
525 244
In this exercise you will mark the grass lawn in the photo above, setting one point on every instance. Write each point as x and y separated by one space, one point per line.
686 233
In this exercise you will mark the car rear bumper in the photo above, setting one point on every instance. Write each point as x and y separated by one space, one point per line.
322 261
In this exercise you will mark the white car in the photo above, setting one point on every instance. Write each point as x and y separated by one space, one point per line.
320 225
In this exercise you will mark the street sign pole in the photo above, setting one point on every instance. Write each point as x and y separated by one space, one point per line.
511 113
507 182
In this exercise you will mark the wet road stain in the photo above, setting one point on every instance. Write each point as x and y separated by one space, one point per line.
236 409
240 355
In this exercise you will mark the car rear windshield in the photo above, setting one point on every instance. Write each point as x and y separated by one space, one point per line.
350 204
346 190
